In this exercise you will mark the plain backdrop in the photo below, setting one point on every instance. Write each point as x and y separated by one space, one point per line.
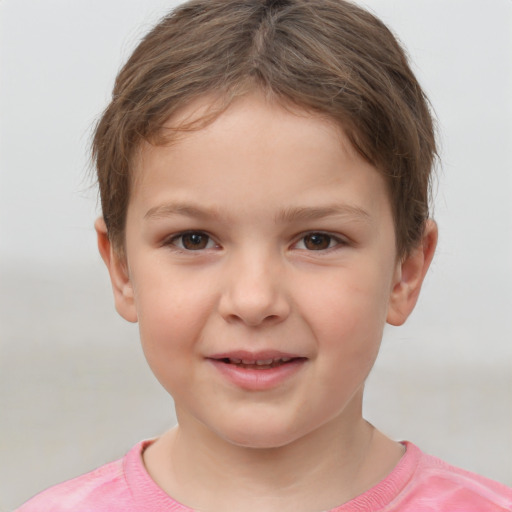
74 388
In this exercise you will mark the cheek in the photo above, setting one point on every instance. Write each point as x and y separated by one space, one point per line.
170 304
171 318
347 319
347 301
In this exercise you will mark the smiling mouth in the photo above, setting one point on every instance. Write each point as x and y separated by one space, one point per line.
259 364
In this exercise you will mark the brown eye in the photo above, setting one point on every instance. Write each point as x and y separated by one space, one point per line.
193 241
317 241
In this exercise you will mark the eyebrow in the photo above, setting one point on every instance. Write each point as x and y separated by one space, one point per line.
184 209
288 215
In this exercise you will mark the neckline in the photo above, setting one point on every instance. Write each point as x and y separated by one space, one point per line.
149 497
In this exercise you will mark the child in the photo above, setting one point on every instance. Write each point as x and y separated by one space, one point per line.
264 169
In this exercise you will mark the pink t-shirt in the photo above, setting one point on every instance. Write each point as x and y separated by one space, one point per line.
419 483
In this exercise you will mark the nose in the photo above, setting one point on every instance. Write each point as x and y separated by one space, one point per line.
254 292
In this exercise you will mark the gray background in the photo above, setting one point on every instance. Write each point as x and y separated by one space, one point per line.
74 388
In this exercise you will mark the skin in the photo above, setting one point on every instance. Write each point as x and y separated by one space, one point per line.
289 246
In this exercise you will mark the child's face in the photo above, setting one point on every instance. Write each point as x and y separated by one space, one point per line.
263 237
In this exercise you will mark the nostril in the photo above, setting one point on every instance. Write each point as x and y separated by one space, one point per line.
253 302
252 319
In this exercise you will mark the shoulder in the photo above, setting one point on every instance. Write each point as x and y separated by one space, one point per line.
103 490
441 487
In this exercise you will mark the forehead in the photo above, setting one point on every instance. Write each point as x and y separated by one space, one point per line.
256 146
218 119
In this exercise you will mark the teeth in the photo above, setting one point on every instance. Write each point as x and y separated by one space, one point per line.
264 361
259 362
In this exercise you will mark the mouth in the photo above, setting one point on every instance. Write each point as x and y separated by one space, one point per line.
259 364
257 371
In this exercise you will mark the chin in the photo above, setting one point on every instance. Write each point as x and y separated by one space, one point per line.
259 441
260 436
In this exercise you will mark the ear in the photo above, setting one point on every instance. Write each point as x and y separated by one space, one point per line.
409 276
119 275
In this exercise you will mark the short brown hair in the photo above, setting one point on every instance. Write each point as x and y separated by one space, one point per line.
326 56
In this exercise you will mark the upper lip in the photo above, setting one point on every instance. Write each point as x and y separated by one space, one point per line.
249 357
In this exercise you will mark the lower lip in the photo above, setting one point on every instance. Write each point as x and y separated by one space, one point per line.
258 380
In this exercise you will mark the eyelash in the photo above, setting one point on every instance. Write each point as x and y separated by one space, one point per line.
174 239
332 241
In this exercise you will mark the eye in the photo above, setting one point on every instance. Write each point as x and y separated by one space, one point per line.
318 242
193 241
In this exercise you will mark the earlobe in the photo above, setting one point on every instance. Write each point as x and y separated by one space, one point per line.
410 275
119 275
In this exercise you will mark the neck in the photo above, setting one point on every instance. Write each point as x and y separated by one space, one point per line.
317 472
